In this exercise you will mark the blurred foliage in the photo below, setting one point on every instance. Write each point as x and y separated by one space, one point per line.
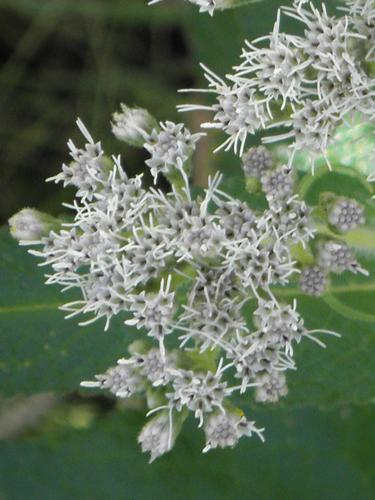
62 59
67 58
308 455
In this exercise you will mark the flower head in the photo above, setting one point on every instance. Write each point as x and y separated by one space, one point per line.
157 436
313 280
31 225
170 147
346 214
225 429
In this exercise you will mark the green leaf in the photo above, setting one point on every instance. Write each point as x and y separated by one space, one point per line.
353 145
345 372
308 455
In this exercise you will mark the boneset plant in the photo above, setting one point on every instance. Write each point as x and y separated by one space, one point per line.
201 273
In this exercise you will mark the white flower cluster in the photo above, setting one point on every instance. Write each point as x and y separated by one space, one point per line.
187 268
306 85
184 267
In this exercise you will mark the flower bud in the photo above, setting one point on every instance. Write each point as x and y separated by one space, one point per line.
313 280
346 214
256 162
122 380
272 386
337 257
31 225
133 125
159 434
